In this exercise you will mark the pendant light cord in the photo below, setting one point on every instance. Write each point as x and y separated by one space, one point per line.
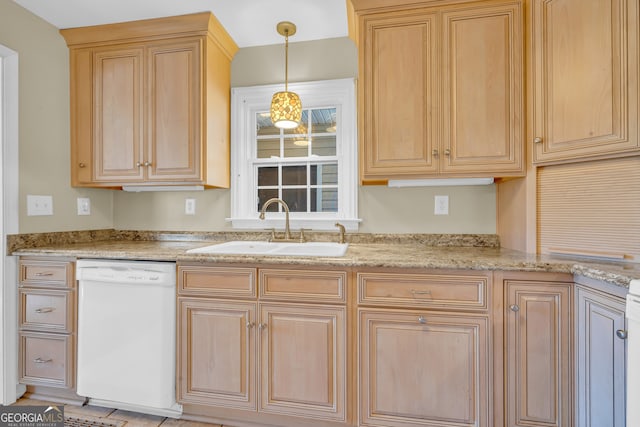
286 61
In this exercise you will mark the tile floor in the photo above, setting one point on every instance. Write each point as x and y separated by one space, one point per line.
130 419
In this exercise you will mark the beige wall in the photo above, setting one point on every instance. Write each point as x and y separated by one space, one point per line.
383 210
44 125
44 147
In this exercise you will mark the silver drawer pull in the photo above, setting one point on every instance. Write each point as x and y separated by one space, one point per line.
622 334
45 310
417 292
422 319
44 274
40 360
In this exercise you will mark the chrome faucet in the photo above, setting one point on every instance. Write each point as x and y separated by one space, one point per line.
287 230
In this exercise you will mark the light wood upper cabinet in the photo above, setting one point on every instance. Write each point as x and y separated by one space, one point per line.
149 106
483 91
441 91
399 97
584 79
538 351
118 113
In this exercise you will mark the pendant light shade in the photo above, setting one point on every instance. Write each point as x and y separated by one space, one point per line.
286 108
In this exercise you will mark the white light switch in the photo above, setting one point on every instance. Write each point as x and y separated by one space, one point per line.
39 205
441 205
84 206
190 206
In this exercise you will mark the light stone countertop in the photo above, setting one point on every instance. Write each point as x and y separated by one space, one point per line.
407 252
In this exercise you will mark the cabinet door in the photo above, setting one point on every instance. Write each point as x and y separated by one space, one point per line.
175 111
585 78
399 95
303 360
216 359
600 378
483 123
538 389
118 114
423 369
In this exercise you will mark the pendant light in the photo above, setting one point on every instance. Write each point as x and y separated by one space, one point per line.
286 108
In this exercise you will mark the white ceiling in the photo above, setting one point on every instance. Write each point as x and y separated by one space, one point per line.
249 22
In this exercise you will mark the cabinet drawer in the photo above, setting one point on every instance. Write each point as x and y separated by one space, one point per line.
303 285
464 292
46 359
216 281
35 272
46 310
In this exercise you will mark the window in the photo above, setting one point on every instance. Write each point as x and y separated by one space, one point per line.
313 167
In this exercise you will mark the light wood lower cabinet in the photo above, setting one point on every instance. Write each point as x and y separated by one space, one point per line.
423 369
267 355
600 359
538 349
47 318
303 360
47 322
425 349
217 349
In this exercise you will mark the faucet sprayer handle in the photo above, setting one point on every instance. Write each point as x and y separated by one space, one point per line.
342 231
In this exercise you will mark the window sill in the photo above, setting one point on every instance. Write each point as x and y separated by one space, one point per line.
319 224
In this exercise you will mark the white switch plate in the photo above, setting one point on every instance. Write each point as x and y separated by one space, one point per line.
441 205
190 206
84 206
39 205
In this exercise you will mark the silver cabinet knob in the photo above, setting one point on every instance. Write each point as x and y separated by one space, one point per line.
82 165
262 326
537 140
514 307
422 319
250 325
138 164
622 334
447 152
434 152
147 164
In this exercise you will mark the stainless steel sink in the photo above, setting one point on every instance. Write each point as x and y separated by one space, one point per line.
241 247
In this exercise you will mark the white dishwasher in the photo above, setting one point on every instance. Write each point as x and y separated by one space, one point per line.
127 335
633 354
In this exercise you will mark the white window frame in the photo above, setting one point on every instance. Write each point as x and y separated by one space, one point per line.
246 102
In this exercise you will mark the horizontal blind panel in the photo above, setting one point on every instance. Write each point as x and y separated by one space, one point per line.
591 207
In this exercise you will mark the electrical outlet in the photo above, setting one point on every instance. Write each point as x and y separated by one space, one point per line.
190 206
84 206
441 205
39 205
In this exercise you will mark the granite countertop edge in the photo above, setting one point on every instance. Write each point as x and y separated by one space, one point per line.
412 252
